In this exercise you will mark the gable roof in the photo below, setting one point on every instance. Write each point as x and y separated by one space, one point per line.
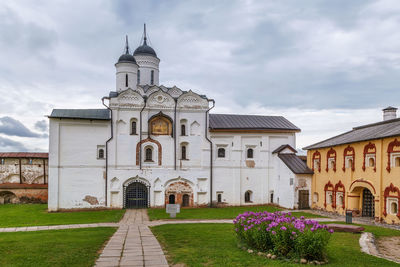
89 114
283 147
367 132
295 163
250 122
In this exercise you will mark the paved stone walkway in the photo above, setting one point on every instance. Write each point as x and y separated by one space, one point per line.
133 244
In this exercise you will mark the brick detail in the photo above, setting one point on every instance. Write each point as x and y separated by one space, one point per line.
138 145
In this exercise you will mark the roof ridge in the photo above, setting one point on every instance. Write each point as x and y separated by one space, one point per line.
375 123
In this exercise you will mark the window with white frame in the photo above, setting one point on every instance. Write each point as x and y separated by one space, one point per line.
331 163
339 199
370 160
133 126
250 153
222 151
183 127
395 160
148 154
101 152
392 205
329 197
349 162
316 164
184 150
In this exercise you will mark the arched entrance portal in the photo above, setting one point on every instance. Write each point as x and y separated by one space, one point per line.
179 193
368 204
136 196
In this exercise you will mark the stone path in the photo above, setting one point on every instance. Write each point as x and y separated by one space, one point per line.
133 244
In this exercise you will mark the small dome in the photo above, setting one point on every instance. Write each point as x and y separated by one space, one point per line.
127 58
145 50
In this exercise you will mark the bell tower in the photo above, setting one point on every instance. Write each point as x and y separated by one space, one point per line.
126 70
146 58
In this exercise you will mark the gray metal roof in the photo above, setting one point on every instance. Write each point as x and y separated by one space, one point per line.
362 133
89 114
250 122
295 163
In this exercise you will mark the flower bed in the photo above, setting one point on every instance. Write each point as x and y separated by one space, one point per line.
283 235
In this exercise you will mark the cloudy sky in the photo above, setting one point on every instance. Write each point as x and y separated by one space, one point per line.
325 65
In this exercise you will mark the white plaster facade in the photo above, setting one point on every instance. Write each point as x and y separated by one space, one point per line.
79 178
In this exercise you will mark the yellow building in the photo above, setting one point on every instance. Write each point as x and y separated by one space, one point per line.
359 170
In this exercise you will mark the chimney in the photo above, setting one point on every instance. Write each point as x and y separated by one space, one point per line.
389 113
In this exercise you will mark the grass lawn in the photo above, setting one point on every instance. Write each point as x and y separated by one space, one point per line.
217 213
75 247
215 245
36 214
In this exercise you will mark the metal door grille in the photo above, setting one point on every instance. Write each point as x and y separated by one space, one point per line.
368 204
136 196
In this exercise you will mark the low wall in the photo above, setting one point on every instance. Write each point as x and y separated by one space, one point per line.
23 193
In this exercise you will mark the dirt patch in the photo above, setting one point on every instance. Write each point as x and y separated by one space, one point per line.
91 200
389 247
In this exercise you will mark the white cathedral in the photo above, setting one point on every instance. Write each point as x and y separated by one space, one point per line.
153 145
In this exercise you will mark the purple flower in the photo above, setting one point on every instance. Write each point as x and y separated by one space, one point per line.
273 232
331 231
294 233
283 228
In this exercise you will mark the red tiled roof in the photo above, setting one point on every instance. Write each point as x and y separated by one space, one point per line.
24 155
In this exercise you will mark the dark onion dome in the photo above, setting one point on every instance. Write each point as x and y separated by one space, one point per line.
144 49
126 57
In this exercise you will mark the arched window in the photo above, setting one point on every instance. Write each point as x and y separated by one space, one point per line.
152 77
183 129
183 152
171 199
185 200
133 126
397 162
138 77
101 153
126 80
247 196
250 153
221 152
149 154
219 198
371 162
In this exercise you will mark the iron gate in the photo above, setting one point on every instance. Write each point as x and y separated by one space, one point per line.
368 208
136 196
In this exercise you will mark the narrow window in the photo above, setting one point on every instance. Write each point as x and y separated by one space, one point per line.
250 153
30 161
171 199
183 129
371 162
2 161
247 196
138 77
219 198
350 163
126 80
221 152
183 150
271 198
397 162
133 127
393 208
149 154
101 153
152 77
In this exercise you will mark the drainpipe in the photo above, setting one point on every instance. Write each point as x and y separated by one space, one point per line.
211 151
176 103
140 134
108 140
